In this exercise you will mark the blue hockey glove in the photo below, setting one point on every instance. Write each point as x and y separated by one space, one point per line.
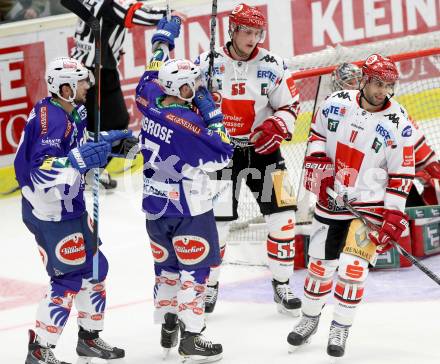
113 136
167 31
89 155
207 107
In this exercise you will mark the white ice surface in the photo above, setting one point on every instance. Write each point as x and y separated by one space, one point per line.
247 324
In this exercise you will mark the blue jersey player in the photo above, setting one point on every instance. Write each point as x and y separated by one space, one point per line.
50 163
180 146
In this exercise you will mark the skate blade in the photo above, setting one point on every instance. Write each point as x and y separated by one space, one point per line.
165 353
95 360
284 311
333 359
199 359
293 348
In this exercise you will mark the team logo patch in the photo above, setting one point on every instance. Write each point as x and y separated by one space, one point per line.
376 145
408 156
160 254
71 250
333 125
407 131
264 89
190 249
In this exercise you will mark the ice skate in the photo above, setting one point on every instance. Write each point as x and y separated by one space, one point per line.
194 348
38 354
90 345
211 298
286 301
302 332
336 341
169 333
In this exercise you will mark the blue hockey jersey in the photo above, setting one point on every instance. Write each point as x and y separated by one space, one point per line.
178 151
49 185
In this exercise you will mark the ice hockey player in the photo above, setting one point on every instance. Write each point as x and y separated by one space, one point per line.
116 17
260 104
180 147
347 77
359 139
50 164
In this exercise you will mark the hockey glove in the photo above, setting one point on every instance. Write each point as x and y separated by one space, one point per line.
267 137
318 175
89 155
394 224
127 147
433 169
205 103
167 31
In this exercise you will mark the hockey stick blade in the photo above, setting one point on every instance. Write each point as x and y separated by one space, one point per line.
333 194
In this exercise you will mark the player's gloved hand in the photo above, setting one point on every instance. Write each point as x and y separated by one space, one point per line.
89 155
114 136
205 103
167 31
394 224
267 137
128 147
433 169
319 173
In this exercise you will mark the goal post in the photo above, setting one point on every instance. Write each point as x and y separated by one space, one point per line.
418 90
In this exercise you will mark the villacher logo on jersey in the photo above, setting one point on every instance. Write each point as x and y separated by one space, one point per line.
71 250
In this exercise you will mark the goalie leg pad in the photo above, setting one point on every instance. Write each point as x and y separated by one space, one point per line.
349 290
281 244
318 285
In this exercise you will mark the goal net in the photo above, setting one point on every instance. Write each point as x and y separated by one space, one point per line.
418 89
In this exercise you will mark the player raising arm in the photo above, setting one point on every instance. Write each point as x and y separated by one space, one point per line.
179 147
357 147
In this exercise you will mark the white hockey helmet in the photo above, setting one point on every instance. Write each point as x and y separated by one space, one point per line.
178 72
65 70
346 76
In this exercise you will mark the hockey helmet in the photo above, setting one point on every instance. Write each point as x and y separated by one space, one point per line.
64 70
346 76
244 16
379 67
178 72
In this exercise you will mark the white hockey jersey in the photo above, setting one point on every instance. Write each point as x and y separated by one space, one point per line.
252 90
373 153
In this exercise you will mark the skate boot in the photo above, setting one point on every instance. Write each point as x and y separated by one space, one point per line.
336 340
92 346
285 299
169 333
302 332
211 298
195 348
38 354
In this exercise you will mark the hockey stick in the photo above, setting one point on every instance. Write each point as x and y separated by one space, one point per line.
333 194
212 44
77 7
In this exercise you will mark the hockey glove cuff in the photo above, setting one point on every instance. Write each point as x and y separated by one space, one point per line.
204 101
318 175
89 155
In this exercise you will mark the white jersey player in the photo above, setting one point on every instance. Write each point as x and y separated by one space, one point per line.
363 141
347 77
260 103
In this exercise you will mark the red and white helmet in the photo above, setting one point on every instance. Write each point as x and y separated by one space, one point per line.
65 70
382 68
246 16
178 72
